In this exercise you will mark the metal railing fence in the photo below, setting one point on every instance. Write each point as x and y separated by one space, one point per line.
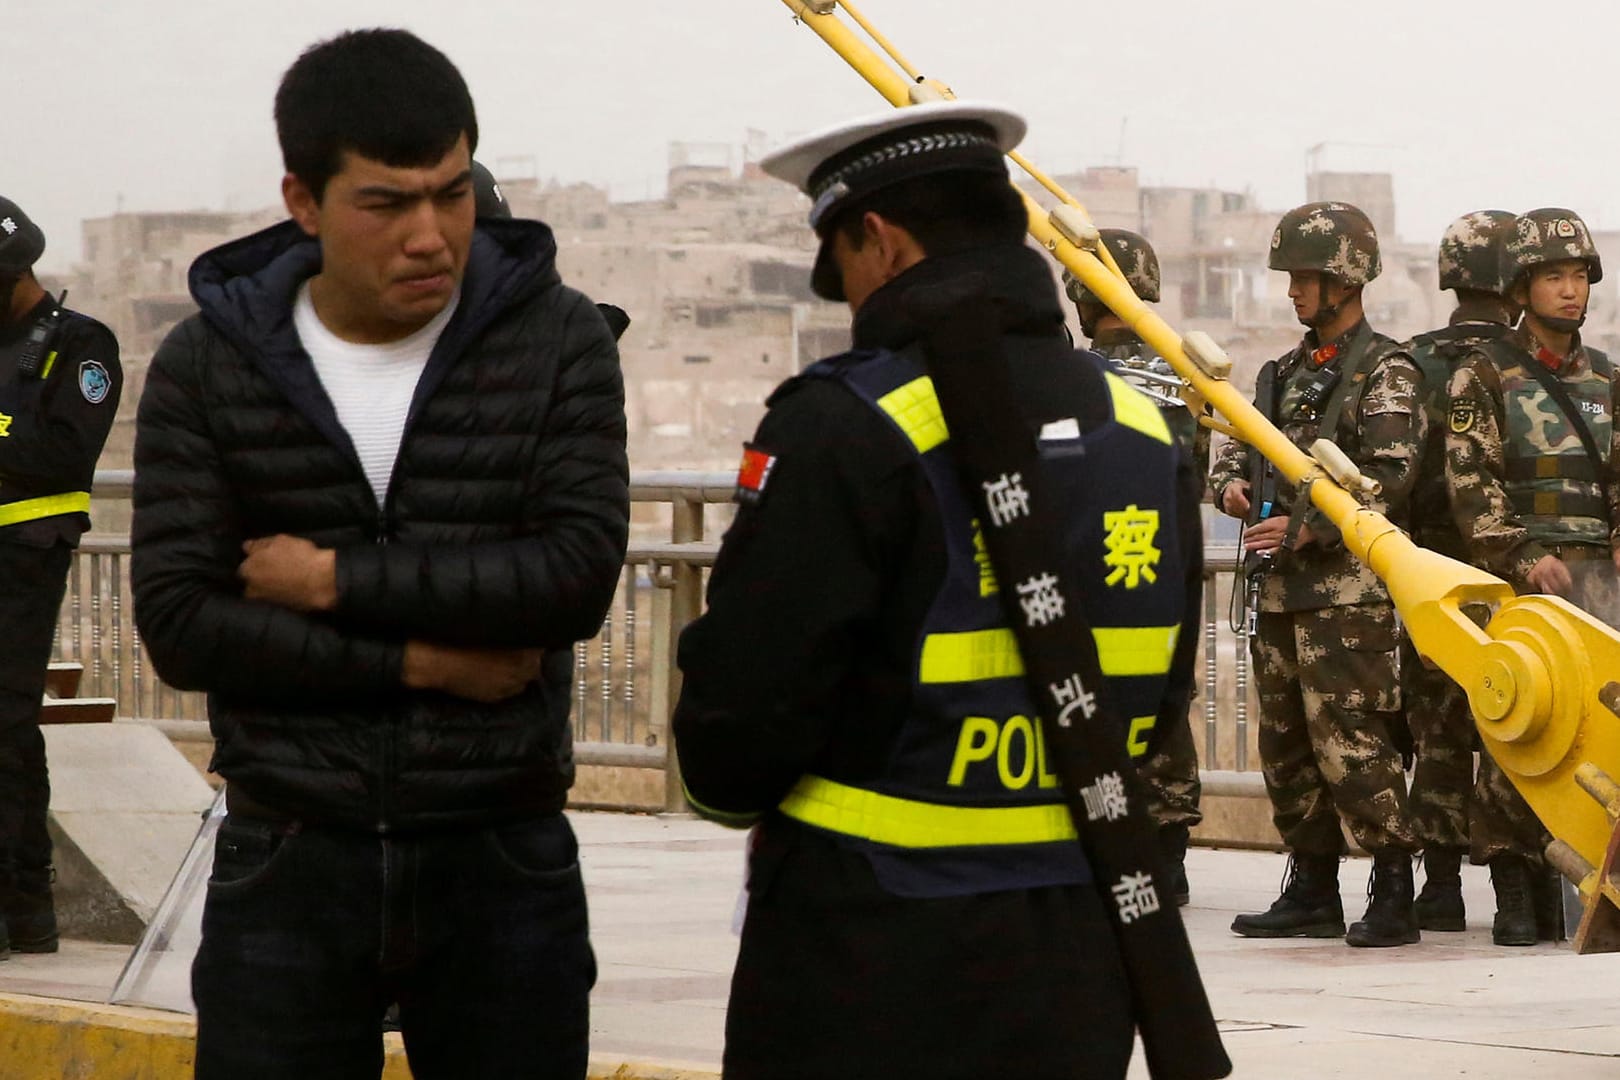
625 681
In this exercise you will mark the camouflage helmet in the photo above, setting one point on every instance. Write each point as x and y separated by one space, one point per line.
1137 261
1549 235
1331 238
1474 252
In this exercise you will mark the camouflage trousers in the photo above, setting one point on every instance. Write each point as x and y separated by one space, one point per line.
1172 778
1500 821
1329 692
1443 752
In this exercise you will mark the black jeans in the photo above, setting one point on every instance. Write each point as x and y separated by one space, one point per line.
309 934
34 580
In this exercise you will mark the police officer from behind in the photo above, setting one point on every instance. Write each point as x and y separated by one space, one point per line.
1473 254
1172 773
1531 468
853 687
59 388
1325 643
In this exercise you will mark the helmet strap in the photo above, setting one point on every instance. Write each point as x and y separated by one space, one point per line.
1562 326
1090 311
1325 312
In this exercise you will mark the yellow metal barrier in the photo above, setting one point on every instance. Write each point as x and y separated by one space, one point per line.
1538 675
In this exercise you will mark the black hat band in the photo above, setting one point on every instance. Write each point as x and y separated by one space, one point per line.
961 149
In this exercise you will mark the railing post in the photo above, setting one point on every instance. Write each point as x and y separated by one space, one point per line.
1211 668
1240 690
685 602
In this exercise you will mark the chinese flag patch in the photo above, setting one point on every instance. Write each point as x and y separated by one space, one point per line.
753 475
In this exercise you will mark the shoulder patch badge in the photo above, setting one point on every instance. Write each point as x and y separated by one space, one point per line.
752 476
94 382
1462 415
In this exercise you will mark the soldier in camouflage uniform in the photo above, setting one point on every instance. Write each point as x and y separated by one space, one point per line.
1473 262
1172 772
1536 494
1325 645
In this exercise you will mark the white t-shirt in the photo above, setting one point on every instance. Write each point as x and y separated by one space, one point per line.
371 386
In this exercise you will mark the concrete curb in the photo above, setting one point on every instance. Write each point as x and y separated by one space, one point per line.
45 1038
605 1070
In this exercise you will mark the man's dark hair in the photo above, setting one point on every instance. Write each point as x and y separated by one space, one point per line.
385 94
945 212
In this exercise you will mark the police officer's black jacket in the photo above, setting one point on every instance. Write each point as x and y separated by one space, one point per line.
805 664
828 589
505 525
54 423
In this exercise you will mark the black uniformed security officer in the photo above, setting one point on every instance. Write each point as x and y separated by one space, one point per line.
918 904
59 387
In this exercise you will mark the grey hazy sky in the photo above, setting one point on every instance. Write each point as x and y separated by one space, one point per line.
165 104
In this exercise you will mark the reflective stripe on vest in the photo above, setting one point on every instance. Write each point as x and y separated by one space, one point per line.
915 409
74 502
908 823
993 654
1136 411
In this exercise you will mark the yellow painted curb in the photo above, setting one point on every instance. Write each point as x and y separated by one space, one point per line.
41 1038
50 1039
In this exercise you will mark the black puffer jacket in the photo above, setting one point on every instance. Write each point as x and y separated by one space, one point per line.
505 525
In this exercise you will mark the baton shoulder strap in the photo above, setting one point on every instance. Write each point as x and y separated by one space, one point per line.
1262 474
1083 731
1364 356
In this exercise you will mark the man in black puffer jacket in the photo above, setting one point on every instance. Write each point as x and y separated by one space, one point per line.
381 491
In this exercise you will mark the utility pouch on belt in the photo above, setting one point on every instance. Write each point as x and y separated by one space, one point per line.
1084 733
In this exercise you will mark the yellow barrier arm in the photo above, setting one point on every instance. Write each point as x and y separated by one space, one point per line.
1539 676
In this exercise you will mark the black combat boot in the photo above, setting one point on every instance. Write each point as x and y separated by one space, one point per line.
1173 849
28 911
1390 918
1547 897
1515 922
1308 907
1440 905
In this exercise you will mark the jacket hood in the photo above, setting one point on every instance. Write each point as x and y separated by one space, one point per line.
246 287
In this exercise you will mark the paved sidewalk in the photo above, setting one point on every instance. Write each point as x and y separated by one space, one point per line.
663 893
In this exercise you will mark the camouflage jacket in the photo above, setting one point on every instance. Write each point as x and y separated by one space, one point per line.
1517 473
1437 355
1381 432
1121 346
